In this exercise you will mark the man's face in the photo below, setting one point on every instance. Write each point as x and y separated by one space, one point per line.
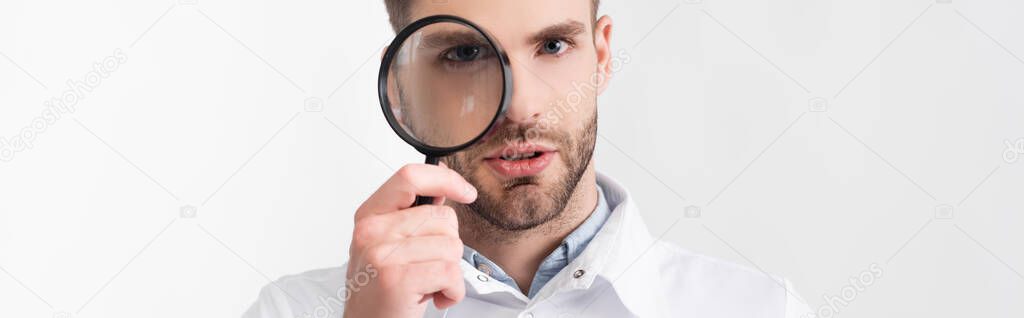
528 167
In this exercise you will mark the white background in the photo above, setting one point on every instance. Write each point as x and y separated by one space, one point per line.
713 111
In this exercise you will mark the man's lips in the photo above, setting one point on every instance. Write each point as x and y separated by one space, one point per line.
520 160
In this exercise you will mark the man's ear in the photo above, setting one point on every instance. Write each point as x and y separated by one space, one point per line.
603 46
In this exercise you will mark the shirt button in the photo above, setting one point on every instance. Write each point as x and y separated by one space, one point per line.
528 315
579 273
482 278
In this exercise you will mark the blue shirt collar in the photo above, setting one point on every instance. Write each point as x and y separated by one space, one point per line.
571 247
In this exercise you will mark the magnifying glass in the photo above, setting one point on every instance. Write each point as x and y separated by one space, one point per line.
443 84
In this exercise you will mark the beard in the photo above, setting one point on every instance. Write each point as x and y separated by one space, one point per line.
523 203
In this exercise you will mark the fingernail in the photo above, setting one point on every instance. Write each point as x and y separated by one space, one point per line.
470 191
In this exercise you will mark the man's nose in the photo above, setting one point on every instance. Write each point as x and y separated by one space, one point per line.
529 95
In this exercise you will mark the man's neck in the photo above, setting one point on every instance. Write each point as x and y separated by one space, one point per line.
520 256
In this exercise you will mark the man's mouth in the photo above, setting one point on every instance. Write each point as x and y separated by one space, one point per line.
521 156
520 160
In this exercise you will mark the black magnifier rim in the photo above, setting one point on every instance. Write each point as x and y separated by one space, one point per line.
385 66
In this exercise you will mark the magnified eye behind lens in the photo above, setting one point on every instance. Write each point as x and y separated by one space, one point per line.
443 83
465 58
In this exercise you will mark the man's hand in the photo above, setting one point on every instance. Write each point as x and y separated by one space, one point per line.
415 251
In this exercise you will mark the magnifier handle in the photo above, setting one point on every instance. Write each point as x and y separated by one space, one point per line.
422 200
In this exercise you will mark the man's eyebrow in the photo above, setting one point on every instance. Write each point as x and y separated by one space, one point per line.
567 29
448 38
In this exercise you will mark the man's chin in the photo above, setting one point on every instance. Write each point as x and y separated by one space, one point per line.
516 203
519 203
517 212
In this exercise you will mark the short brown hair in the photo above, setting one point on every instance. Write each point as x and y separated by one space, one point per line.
398 12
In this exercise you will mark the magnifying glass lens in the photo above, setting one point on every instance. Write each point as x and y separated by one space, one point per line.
445 84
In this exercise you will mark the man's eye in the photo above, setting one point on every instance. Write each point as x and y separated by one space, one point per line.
464 53
554 47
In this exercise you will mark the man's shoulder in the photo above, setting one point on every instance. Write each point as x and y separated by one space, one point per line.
718 282
682 261
693 274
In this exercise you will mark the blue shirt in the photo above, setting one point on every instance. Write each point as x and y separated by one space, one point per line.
571 246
